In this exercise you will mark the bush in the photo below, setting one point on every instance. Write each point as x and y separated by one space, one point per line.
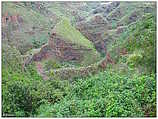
140 36
26 95
52 64
107 94
16 98
134 59
11 58
24 92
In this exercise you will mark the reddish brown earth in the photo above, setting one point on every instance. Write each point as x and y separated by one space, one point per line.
11 18
59 48
41 71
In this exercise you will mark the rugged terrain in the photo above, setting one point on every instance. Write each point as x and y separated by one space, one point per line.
54 52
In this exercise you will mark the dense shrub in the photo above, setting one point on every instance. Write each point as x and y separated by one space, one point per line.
37 42
134 59
118 92
11 57
144 38
140 42
24 94
16 97
52 64
107 94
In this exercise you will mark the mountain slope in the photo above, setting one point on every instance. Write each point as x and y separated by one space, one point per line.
68 44
106 23
65 29
22 26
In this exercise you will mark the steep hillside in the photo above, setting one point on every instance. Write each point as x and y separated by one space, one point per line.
74 11
27 25
79 59
65 29
23 27
68 44
137 46
105 24
93 28
128 12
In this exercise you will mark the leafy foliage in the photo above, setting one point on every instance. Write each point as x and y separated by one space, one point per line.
140 42
125 89
107 94
52 64
23 93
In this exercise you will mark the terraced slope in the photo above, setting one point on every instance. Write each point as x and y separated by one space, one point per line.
23 27
68 44
129 12
65 29
50 68
27 25
70 73
106 23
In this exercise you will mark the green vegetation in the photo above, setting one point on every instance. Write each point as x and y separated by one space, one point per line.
122 86
39 40
140 42
70 34
52 64
114 24
107 94
23 92
30 16
18 34
65 29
